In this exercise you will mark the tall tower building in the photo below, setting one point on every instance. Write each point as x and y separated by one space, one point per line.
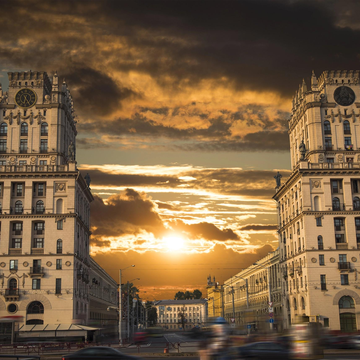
45 206
319 205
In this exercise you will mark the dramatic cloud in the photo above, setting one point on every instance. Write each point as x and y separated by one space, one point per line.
257 227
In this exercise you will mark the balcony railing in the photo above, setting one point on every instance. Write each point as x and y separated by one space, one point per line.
37 251
15 251
36 271
323 287
328 147
341 246
344 266
12 295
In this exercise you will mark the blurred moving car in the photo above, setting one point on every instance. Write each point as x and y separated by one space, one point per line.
263 350
140 337
98 353
155 331
355 342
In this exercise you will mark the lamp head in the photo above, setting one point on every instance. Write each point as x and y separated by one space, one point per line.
133 265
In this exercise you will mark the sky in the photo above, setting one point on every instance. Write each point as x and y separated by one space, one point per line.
182 110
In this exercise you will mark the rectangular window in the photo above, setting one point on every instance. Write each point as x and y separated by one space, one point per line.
23 146
17 228
340 238
344 279
342 258
36 284
323 282
43 145
38 243
328 143
318 221
348 144
2 145
18 189
39 189
58 264
330 160
321 260
355 186
2 162
43 162
339 224
60 224
336 186
22 162
326 322
13 264
16 243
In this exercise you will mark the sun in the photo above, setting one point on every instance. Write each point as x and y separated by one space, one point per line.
174 242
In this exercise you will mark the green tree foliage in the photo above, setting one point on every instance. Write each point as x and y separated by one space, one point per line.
151 314
188 295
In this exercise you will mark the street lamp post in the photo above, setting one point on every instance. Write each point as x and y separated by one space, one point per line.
128 309
120 305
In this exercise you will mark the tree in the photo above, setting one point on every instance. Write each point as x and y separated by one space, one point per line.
197 294
151 313
179 296
188 295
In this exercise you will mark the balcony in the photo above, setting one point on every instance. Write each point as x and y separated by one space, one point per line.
37 251
349 147
23 151
344 266
328 147
39 231
12 295
341 246
43 151
36 271
15 251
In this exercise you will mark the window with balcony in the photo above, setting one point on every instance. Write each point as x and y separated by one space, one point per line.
44 129
39 189
17 228
323 282
18 207
24 129
39 228
336 186
347 129
339 224
16 243
38 243
43 145
327 127
336 206
344 279
340 239
23 146
328 143
40 208
348 143
18 189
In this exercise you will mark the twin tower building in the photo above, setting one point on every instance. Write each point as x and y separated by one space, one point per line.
48 281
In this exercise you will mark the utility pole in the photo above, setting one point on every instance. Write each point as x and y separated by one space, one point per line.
233 301
120 310
128 312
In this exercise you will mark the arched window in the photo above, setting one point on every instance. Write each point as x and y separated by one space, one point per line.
346 302
320 243
44 129
347 127
12 284
356 203
302 303
35 307
18 207
327 127
295 304
59 247
3 129
59 206
24 129
40 208
336 204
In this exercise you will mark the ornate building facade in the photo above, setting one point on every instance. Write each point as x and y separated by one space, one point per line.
319 205
45 266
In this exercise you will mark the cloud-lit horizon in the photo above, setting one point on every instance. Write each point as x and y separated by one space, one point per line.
182 110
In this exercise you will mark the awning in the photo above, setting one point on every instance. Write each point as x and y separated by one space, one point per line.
57 327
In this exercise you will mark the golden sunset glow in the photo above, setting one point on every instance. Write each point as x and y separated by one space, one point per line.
174 243
182 120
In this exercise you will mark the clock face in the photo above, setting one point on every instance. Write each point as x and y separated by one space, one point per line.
344 96
25 98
